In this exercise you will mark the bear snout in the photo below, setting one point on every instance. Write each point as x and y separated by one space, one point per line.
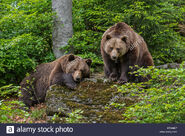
77 76
78 79
114 55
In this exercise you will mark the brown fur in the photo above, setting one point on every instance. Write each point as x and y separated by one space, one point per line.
121 47
66 68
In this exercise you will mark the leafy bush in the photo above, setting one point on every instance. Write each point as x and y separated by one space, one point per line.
26 27
162 101
156 21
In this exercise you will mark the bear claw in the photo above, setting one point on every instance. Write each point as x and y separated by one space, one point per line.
121 82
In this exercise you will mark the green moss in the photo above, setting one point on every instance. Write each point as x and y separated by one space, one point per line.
91 97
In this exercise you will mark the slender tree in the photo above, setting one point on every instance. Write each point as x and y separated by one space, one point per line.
63 29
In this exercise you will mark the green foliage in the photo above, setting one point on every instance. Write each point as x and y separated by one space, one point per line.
83 43
73 117
8 90
162 101
9 111
26 27
156 21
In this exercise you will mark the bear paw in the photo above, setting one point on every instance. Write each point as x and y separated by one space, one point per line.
123 80
71 85
113 77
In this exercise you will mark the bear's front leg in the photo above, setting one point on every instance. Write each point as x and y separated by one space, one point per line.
110 68
124 73
114 73
123 78
107 72
111 72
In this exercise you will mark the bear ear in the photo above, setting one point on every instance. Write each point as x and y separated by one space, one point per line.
119 26
88 61
71 57
124 38
108 37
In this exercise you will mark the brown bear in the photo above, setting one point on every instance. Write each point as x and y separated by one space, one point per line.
121 48
66 70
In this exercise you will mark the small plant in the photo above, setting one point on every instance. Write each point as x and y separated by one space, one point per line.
38 114
75 117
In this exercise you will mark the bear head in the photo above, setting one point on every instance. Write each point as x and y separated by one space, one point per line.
78 67
117 42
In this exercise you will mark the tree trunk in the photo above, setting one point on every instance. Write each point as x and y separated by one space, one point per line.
63 29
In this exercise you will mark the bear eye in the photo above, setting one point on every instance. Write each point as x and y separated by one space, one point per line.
111 48
118 49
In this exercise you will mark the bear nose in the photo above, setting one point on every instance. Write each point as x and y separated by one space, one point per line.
114 57
77 79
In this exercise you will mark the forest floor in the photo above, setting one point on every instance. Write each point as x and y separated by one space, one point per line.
36 114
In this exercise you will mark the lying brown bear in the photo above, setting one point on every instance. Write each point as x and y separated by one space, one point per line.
121 48
66 70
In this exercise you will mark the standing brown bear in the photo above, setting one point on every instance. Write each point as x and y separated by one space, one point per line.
66 70
121 47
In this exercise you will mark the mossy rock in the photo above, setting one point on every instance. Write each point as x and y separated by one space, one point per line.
92 96
170 66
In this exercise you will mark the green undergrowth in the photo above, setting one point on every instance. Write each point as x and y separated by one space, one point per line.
11 111
160 100
14 111
73 117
